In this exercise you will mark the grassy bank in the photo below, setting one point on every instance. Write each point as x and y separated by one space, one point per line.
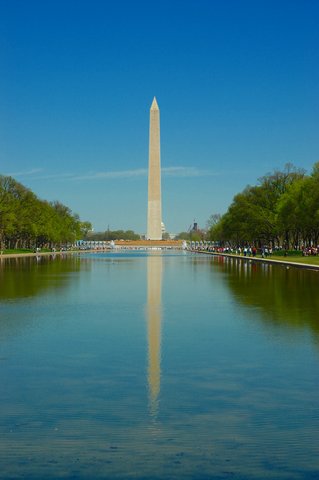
18 251
311 260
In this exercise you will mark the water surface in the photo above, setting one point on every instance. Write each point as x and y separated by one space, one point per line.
136 365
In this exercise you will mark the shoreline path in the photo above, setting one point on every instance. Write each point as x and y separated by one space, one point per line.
286 263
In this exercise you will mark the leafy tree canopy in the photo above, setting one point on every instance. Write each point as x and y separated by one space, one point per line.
28 222
282 209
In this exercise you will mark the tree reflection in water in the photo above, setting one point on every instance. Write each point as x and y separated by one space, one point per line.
29 276
286 296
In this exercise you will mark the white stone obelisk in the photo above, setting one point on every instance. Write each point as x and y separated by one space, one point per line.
154 213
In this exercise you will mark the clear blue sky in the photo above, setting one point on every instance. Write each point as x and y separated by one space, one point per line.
237 83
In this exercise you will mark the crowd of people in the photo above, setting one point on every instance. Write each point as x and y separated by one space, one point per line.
246 251
252 251
308 251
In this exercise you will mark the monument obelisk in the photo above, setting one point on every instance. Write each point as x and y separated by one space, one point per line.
154 212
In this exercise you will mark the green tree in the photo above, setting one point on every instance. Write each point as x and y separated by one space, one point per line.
253 214
298 211
26 221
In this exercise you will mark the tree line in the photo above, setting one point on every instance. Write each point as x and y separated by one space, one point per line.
28 222
112 235
281 210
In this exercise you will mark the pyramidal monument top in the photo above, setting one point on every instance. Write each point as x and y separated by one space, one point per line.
154 105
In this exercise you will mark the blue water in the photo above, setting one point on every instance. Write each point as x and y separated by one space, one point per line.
137 365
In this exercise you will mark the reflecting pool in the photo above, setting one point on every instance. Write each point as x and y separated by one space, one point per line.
158 366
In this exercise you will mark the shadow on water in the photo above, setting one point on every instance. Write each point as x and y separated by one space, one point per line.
285 296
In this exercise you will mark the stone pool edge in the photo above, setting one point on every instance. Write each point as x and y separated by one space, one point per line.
263 260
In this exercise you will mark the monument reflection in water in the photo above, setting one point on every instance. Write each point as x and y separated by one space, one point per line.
154 316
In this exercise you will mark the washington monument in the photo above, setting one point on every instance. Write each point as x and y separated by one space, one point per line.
154 212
